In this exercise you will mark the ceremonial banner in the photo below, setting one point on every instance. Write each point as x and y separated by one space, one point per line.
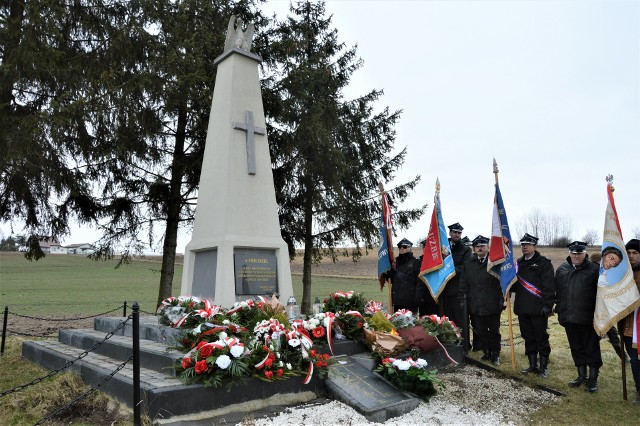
386 260
617 294
437 261
501 263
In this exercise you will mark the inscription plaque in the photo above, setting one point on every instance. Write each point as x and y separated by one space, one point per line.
256 271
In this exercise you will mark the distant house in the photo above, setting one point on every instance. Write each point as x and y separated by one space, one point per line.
82 248
52 246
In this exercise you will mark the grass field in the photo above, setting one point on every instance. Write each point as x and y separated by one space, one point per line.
67 286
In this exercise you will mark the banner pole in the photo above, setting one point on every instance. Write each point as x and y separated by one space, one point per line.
508 296
513 354
390 249
623 361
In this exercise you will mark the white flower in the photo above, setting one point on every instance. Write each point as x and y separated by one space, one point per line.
294 342
306 343
278 355
225 322
222 335
243 304
271 348
236 351
403 365
421 363
280 364
288 366
197 330
223 361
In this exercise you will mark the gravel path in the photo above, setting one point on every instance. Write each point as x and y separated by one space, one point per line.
472 397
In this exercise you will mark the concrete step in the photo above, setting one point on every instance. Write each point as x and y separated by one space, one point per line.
162 396
150 329
153 355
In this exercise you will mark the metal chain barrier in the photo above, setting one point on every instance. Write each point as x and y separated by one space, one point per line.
67 319
84 395
68 363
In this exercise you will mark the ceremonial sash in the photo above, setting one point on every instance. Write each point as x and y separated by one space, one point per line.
530 287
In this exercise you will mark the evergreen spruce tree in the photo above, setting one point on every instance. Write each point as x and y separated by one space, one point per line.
45 53
329 153
104 107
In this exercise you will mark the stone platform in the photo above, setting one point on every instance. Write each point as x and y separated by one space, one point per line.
165 397
163 394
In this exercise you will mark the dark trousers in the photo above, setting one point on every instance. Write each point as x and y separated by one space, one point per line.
533 329
634 361
426 304
488 329
584 344
452 309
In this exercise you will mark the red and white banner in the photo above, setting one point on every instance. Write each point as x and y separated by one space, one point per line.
618 295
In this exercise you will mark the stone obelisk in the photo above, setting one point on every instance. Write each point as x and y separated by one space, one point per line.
236 250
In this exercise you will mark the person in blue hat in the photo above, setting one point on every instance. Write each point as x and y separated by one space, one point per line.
485 298
576 285
534 296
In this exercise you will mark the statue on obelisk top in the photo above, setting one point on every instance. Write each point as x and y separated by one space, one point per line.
236 37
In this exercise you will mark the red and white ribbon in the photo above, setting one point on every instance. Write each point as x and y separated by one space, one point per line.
309 373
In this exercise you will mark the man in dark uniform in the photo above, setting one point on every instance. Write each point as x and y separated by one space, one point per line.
485 296
404 278
450 297
426 303
633 253
535 294
576 285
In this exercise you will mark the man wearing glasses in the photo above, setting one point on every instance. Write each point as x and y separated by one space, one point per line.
405 278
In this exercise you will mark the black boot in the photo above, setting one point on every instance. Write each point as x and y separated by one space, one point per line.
592 381
582 377
533 364
486 356
544 360
495 358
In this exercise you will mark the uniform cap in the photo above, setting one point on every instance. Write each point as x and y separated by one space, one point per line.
577 247
480 241
529 239
405 243
455 227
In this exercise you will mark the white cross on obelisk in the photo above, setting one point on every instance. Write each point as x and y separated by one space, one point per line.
251 130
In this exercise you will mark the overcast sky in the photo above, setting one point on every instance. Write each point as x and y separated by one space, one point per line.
549 88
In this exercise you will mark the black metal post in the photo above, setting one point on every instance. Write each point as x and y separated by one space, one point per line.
124 311
137 403
465 330
4 328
